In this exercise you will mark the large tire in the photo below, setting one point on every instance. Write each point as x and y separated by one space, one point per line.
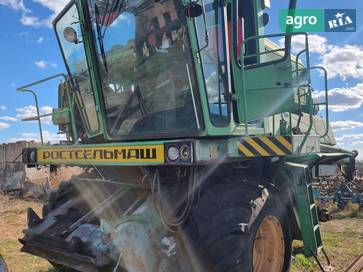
218 241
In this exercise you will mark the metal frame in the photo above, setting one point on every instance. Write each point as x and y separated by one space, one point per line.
70 99
209 128
91 44
89 65
227 56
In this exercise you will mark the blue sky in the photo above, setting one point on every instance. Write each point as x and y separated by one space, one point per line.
29 52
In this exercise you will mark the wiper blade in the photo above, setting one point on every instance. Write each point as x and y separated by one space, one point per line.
100 38
115 8
105 12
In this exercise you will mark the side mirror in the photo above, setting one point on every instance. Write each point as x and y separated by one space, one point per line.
193 10
70 35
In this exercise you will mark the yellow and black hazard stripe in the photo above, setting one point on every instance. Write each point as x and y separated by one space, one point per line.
265 146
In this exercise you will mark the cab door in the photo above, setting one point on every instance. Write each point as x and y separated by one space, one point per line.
78 67
262 71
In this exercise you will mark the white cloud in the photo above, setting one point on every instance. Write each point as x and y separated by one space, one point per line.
40 40
28 18
16 5
345 125
352 142
339 61
3 125
31 111
48 137
317 44
358 143
55 6
343 99
343 61
42 64
8 118
352 136
2 107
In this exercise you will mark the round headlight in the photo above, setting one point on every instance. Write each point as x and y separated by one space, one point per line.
32 156
185 152
70 35
173 153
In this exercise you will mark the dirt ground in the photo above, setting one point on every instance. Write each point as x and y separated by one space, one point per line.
343 240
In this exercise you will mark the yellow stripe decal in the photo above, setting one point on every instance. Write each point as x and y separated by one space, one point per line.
272 146
244 150
256 146
283 141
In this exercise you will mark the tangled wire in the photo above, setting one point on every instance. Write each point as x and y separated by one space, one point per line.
170 221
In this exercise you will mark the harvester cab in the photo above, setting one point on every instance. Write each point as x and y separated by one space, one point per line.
198 135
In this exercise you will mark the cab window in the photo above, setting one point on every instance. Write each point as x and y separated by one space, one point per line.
77 66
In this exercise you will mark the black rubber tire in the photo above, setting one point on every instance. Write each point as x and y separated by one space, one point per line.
213 226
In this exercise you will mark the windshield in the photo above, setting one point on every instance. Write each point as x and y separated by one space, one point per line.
75 58
146 67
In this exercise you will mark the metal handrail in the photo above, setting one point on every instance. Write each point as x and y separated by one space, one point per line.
309 88
38 117
258 37
326 102
37 109
308 85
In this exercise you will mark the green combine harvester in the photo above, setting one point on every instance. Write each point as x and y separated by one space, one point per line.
199 138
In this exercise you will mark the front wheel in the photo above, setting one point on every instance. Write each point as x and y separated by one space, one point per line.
222 243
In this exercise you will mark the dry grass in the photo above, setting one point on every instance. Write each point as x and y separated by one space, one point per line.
351 210
12 223
342 240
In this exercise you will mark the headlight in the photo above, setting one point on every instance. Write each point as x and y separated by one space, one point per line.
180 152
173 153
185 152
32 156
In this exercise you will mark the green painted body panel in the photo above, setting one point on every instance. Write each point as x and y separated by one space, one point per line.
61 116
268 96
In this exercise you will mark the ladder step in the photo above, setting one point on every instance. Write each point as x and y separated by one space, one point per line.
308 216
